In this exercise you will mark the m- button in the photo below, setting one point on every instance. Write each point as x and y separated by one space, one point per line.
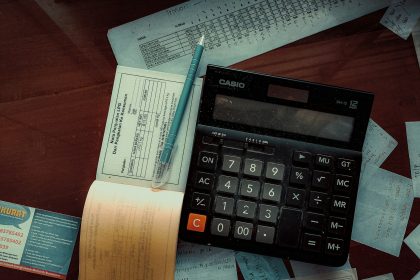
207 160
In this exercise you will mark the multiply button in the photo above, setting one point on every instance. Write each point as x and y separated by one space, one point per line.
298 176
325 162
343 183
295 197
204 181
207 160
334 246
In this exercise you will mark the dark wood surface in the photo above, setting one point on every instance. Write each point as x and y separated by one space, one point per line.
56 75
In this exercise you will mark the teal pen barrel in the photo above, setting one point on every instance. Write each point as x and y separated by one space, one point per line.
182 104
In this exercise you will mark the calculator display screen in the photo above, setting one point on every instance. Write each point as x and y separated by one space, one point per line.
283 118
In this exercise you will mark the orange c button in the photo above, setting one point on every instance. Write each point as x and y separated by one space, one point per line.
196 222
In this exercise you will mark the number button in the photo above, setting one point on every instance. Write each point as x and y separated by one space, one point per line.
231 163
223 205
243 230
275 171
268 213
245 209
220 227
207 160
250 188
271 192
227 184
253 167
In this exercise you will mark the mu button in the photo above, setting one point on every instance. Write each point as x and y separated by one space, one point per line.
196 222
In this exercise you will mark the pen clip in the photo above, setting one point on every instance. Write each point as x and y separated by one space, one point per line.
163 170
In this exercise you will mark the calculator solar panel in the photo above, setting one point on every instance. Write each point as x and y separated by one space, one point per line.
275 166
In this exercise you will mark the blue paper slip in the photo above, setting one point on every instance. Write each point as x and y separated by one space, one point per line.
401 17
204 262
413 142
417 276
302 269
36 240
378 145
413 241
258 267
388 276
383 207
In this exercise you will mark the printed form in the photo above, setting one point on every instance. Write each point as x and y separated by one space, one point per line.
234 30
142 107
413 142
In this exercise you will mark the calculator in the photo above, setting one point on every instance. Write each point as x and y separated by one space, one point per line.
275 166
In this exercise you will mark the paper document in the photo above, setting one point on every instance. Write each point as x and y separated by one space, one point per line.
347 274
413 241
417 276
129 233
259 267
413 142
388 276
200 262
302 269
416 39
234 30
378 145
384 202
142 107
401 17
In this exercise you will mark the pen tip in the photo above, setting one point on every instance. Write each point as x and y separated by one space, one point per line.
201 42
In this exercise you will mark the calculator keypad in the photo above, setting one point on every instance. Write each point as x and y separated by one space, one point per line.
299 202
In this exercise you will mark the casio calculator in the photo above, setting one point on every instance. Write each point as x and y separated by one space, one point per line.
275 166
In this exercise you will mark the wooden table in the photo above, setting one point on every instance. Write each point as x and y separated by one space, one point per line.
56 75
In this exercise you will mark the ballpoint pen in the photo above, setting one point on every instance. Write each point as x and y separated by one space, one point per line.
166 155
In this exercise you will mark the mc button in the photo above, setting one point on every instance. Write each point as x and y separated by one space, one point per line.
207 160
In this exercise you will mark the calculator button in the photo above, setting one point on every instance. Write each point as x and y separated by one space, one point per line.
265 234
223 205
336 225
220 227
301 158
298 176
204 181
271 192
268 213
340 204
345 164
295 197
253 167
311 242
334 246
200 201
231 163
289 227
275 171
323 161
196 222
250 188
243 230
343 183
321 180
315 222
227 184
318 200
245 209
207 160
